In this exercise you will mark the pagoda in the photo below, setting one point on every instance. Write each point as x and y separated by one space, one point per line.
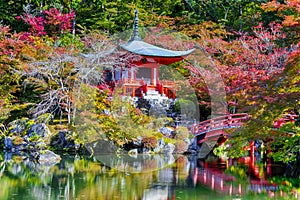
141 78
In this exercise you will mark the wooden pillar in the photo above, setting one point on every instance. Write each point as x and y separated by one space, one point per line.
133 91
154 78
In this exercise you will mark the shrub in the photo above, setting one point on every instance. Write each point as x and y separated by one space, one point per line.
181 132
149 142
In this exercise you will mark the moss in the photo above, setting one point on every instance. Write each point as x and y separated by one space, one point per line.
34 138
169 140
17 140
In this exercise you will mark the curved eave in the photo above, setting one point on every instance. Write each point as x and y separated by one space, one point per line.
146 49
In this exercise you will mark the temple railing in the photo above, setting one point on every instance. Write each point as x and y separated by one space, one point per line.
164 87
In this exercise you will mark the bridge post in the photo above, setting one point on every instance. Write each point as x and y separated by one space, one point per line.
252 148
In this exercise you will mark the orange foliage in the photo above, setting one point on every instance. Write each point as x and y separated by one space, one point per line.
293 8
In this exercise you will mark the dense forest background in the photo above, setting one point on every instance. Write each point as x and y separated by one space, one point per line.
254 44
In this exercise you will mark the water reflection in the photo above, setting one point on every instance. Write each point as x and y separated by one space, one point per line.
138 163
141 177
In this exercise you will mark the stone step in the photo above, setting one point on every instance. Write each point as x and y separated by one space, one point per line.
152 92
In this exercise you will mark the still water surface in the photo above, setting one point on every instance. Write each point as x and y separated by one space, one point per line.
146 177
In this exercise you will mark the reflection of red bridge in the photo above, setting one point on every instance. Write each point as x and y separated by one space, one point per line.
215 178
213 128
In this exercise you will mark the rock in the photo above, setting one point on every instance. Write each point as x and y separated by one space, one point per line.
59 141
206 148
169 148
40 129
8 155
161 142
146 151
22 147
181 147
8 143
187 141
48 158
138 141
17 130
101 147
157 149
133 152
157 110
160 146
193 146
166 131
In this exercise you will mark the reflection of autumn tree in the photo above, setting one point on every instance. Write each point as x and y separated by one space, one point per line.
182 169
113 184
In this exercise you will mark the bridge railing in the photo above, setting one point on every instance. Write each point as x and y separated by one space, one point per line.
222 122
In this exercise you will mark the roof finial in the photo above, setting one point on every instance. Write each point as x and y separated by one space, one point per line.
136 26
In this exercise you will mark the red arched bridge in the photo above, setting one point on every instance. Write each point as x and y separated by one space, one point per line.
214 128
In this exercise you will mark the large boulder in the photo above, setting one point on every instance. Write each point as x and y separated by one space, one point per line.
166 131
59 141
169 148
160 146
193 146
181 147
48 158
101 146
26 134
40 129
8 143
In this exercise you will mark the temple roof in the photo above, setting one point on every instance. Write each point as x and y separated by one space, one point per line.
139 47
145 49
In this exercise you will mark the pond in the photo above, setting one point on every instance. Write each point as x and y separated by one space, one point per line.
144 177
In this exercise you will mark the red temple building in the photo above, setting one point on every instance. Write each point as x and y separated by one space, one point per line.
141 78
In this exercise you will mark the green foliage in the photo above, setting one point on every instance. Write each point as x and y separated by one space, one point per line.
169 140
286 184
236 146
70 41
285 145
18 111
34 138
220 151
9 10
85 122
9 85
185 106
115 16
102 15
119 120
230 13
